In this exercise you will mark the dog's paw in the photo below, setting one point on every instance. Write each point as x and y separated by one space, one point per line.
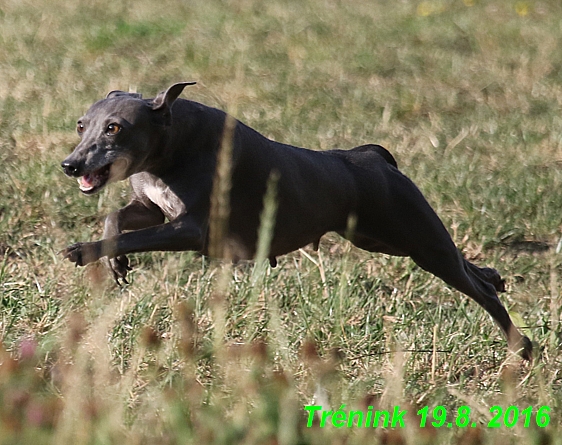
81 253
118 267
525 349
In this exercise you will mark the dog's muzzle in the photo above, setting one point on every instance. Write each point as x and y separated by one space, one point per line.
88 181
70 169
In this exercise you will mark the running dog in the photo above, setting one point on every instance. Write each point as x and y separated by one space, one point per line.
168 149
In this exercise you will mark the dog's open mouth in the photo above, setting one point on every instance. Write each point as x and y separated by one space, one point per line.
94 181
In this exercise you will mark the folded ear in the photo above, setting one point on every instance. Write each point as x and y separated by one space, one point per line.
122 93
164 101
167 98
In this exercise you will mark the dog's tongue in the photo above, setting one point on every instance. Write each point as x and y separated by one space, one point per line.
89 181
94 180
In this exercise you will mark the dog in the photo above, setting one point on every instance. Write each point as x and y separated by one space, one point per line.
168 149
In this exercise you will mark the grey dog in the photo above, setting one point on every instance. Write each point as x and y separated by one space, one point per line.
168 148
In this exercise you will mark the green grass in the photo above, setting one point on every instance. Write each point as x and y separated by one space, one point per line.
465 94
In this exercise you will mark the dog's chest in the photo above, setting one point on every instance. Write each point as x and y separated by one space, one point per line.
161 195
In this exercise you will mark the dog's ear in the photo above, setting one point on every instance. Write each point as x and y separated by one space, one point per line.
164 101
117 93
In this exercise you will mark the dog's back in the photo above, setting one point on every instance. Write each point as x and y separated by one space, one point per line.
383 152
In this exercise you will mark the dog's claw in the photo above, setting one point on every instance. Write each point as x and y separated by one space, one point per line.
73 253
82 253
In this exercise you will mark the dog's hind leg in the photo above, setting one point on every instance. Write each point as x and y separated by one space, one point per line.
371 245
480 284
488 274
399 221
444 260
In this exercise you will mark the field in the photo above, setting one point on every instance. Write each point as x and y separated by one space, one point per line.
465 94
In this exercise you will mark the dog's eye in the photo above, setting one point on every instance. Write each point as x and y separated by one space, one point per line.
80 128
113 129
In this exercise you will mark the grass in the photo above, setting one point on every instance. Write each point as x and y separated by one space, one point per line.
465 94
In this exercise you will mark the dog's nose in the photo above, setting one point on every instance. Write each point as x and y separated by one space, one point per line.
70 169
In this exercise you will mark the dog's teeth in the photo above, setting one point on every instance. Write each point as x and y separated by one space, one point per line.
84 184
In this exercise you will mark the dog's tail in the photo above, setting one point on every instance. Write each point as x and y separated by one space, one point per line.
381 151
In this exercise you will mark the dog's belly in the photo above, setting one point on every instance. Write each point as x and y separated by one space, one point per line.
291 231
283 246
238 249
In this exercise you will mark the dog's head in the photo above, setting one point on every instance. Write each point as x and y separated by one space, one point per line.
117 135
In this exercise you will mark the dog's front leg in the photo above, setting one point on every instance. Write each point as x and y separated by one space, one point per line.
134 216
183 233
